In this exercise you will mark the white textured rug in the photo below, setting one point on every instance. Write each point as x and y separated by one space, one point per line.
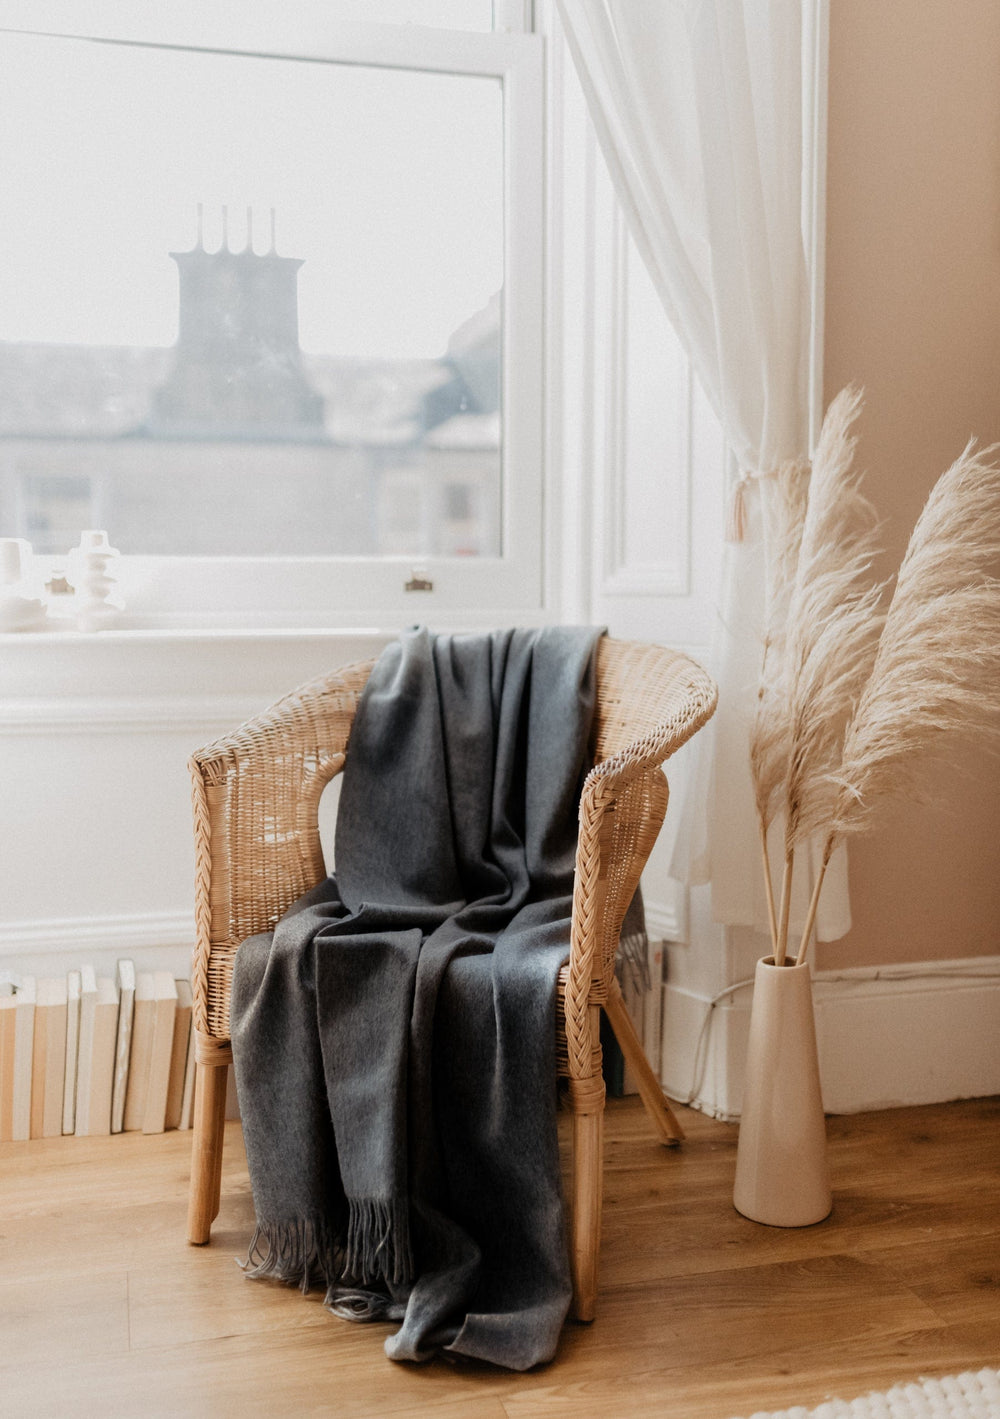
965 1396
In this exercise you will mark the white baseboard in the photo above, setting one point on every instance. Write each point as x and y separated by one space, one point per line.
888 1037
154 940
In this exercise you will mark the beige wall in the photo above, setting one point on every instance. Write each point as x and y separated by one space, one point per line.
913 314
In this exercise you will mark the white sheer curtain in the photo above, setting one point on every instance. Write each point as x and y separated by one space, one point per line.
698 106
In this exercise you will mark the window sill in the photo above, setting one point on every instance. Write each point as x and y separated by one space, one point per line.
235 669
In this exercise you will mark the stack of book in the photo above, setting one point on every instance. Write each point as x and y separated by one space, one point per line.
86 1054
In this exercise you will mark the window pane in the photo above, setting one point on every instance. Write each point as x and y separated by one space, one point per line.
261 316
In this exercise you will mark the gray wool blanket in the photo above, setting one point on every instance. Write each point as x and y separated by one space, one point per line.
394 1040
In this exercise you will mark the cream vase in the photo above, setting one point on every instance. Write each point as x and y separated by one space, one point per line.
782 1177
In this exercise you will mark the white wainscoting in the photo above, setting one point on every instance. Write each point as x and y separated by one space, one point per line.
96 855
887 1037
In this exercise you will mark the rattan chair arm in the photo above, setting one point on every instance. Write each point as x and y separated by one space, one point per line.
622 807
255 797
617 832
691 696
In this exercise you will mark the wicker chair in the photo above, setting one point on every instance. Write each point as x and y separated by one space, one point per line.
256 796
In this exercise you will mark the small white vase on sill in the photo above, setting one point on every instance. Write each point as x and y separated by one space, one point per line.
93 572
782 1175
20 608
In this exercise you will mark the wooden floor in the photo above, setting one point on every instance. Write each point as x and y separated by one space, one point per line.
105 1311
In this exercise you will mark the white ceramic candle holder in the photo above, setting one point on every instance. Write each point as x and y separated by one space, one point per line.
20 609
93 572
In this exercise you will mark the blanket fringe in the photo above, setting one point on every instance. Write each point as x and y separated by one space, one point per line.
378 1241
633 960
302 1252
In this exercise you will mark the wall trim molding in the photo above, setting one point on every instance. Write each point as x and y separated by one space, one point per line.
667 575
54 935
890 1036
115 715
122 933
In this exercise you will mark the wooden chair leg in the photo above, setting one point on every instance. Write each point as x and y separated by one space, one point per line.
213 1058
586 1099
659 1111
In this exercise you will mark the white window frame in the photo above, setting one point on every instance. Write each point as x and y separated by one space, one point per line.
246 592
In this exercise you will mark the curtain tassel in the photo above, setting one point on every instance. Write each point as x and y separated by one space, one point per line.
736 522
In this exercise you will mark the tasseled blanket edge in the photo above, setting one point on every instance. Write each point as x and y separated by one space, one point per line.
302 1252
306 1252
378 1241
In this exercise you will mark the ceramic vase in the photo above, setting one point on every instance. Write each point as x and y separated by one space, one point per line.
782 1176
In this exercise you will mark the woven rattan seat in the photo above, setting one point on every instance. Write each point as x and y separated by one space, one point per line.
256 797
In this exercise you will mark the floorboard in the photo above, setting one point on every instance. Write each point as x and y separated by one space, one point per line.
702 1314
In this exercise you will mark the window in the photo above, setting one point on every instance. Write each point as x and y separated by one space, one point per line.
272 305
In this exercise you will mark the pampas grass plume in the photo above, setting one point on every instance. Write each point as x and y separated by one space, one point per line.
822 624
937 671
853 700
833 621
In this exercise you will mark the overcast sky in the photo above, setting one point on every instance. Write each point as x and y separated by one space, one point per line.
387 184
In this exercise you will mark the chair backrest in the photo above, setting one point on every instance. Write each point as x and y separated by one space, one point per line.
637 686
257 790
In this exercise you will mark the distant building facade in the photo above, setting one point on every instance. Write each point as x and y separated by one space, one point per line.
237 369
236 442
